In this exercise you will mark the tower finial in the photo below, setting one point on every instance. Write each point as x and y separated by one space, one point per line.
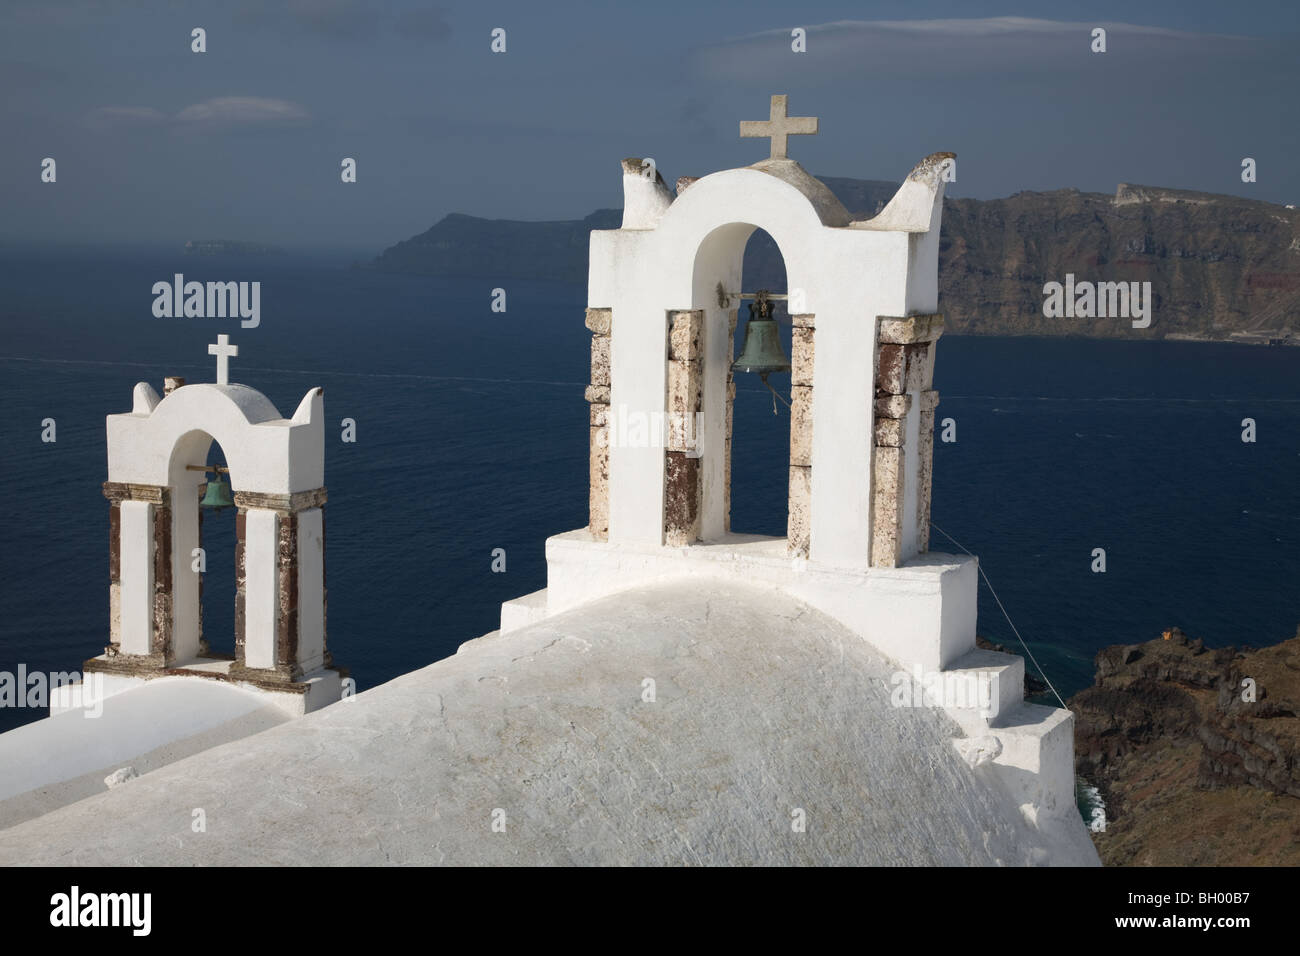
224 352
778 127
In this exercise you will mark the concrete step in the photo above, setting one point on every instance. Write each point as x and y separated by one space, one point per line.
1029 747
1038 758
981 687
1031 751
522 611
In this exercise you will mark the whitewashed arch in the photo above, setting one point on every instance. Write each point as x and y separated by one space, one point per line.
266 452
276 470
672 254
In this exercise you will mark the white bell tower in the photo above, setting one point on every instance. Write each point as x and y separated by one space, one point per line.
157 456
864 304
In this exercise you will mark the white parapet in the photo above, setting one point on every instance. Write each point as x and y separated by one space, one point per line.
920 613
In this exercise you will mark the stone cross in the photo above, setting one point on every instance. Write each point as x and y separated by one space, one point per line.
778 127
224 351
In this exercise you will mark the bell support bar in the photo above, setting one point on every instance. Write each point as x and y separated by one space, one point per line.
724 297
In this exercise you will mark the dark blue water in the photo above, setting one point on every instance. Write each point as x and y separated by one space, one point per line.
472 435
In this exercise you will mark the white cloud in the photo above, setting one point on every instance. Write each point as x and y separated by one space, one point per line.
218 113
952 46
242 111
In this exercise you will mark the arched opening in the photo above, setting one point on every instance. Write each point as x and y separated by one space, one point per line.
218 538
751 485
204 544
760 440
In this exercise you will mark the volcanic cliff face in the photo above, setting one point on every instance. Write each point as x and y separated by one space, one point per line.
1195 751
1220 267
1217 265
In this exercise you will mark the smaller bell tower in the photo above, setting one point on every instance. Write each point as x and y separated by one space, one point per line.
160 484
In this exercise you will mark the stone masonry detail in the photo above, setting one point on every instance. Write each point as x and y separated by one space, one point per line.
599 321
682 479
904 376
799 521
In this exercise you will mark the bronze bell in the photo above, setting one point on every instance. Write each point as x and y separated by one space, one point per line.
217 497
762 351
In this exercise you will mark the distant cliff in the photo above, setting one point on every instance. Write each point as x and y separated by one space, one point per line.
1192 773
499 248
1220 267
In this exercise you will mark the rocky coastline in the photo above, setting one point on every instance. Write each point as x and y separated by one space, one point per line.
1195 752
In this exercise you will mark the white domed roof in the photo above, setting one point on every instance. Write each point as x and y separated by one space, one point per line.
762 707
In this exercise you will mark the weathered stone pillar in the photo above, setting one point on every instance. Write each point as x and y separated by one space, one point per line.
799 509
280 586
204 648
286 611
599 321
929 402
683 489
241 530
162 577
114 578
887 475
904 437
140 574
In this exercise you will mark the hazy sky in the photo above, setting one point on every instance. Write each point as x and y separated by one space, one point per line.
157 143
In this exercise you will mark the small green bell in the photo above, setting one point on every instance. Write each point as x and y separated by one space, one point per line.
217 496
762 351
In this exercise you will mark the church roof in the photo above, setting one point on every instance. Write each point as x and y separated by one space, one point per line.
64 758
761 707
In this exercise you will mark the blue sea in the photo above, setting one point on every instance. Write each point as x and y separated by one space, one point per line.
471 435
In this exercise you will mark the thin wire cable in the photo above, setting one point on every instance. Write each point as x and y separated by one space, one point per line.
1028 652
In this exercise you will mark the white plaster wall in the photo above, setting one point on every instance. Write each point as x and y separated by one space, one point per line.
261 587
720 260
923 263
266 453
185 580
923 613
311 590
135 555
865 277
1038 757
922 299
961 604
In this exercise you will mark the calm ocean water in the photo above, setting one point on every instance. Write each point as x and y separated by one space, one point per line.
472 435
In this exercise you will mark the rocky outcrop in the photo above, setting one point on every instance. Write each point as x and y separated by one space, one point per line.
1173 731
469 247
